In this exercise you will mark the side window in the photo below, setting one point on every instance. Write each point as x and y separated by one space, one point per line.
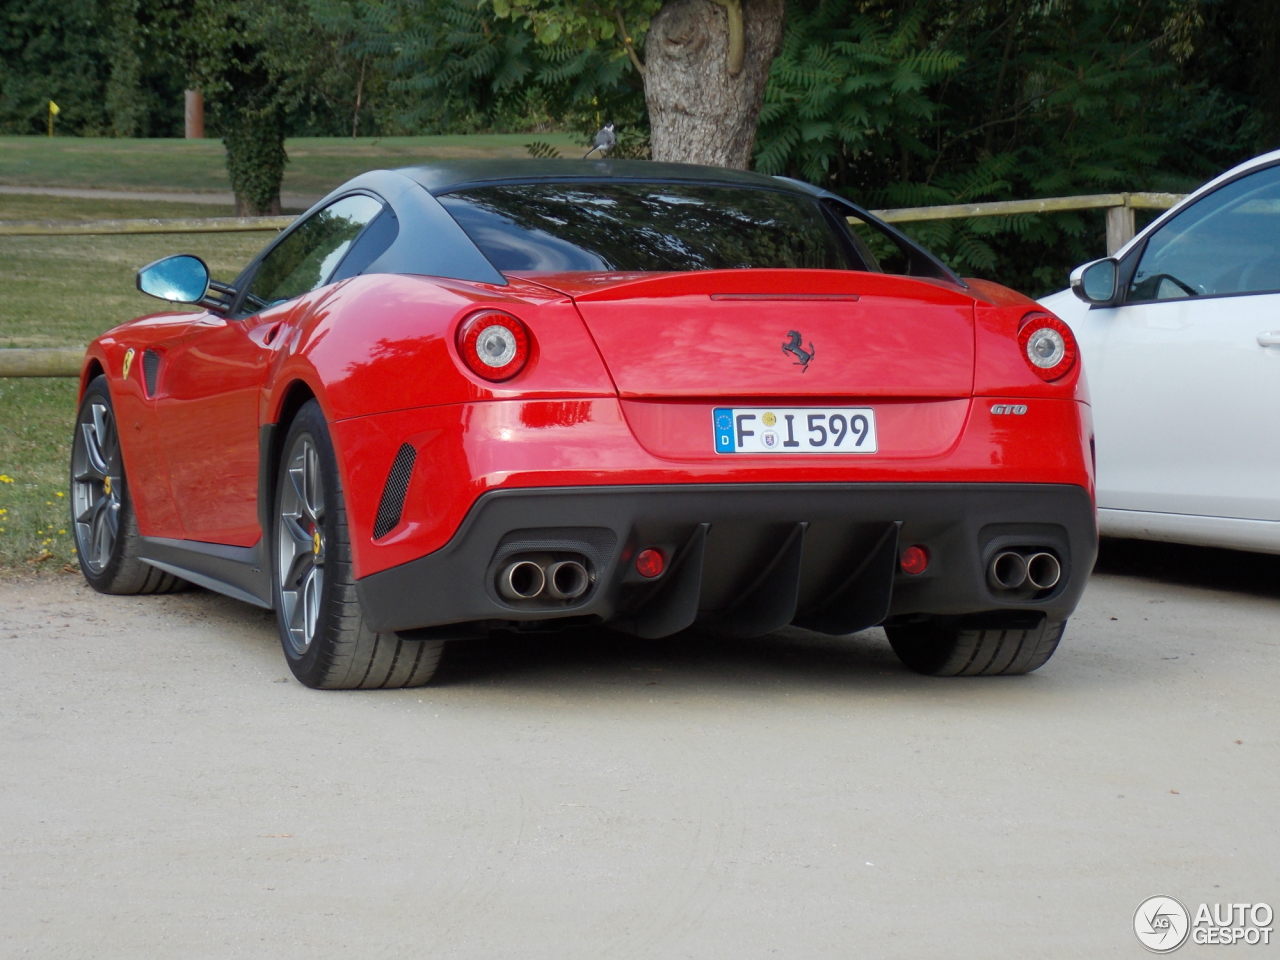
307 257
1229 242
370 245
885 253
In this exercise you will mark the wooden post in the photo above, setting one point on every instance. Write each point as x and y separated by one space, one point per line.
1120 227
194 115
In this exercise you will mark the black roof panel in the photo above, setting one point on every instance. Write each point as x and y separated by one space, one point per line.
450 175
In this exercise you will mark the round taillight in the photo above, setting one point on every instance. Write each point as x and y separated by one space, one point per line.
1049 346
650 563
915 559
493 344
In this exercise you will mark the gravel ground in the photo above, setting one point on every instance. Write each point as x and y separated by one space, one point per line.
168 790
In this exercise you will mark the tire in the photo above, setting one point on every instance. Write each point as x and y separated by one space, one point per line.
324 635
939 649
103 523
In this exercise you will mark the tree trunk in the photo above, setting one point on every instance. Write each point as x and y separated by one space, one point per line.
255 161
700 109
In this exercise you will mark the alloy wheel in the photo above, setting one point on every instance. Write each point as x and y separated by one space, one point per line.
300 553
96 487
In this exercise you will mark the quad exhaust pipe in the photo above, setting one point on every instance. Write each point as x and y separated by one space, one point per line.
528 579
522 580
1011 570
567 580
1043 571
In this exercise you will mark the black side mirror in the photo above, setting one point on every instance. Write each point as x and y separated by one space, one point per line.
1095 282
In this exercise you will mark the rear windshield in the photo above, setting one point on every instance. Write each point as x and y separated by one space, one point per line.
649 227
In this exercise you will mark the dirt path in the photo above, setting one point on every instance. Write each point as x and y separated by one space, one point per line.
166 790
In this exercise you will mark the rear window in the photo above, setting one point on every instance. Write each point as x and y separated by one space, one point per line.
648 227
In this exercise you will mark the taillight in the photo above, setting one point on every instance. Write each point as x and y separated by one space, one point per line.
1048 345
494 345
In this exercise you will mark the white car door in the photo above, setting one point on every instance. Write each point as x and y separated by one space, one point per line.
1185 373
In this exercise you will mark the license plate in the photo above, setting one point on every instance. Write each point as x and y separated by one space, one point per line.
795 430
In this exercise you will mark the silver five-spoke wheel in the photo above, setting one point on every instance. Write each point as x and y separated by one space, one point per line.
95 486
102 518
300 552
326 640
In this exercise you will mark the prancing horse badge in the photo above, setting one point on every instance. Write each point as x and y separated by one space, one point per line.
793 346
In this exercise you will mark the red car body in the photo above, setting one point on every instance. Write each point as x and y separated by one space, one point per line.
616 399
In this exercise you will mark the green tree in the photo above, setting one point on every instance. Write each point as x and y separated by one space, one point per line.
52 50
255 60
452 66
910 103
704 63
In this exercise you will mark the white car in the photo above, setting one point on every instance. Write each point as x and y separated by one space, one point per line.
1180 335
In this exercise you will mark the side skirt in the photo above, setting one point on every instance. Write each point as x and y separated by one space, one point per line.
237 572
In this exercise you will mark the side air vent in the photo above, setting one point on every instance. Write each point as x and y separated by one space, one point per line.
393 493
150 370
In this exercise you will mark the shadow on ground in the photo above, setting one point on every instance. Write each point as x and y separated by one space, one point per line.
1211 567
788 654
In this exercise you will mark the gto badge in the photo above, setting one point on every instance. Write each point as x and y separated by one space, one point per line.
793 346
1014 409
128 363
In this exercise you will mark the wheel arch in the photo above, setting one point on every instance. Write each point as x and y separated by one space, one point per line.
270 440
92 369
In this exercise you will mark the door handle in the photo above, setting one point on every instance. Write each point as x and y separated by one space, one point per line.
1271 339
264 334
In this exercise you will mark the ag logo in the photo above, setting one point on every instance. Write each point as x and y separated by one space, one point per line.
1161 924
795 348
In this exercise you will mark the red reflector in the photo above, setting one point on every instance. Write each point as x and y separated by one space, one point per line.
650 563
915 559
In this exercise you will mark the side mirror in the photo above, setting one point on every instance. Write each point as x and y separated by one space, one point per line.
1095 282
180 279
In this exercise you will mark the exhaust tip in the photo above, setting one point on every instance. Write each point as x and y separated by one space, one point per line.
567 580
522 580
1043 571
1008 570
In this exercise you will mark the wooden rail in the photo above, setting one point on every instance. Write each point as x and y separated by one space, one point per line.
65 361
109 228
47 362
1119 207
1005 208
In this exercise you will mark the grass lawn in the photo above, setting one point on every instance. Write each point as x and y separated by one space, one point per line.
35 435
316 164
64 291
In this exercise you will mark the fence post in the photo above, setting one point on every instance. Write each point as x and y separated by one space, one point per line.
1120 226
193 114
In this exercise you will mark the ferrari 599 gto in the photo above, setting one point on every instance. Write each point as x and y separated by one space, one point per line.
529 395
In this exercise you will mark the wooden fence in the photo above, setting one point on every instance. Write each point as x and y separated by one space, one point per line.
65 361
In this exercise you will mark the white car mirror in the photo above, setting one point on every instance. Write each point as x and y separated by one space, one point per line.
1095 282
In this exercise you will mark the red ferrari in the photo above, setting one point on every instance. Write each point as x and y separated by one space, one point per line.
527 395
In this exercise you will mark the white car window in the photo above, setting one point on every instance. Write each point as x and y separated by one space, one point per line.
1227 243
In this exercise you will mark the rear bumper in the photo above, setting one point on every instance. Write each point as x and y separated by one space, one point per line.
745 558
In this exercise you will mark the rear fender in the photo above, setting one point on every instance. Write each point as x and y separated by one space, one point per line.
1000 368
383 342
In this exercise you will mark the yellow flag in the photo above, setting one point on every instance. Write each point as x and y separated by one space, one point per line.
53 108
